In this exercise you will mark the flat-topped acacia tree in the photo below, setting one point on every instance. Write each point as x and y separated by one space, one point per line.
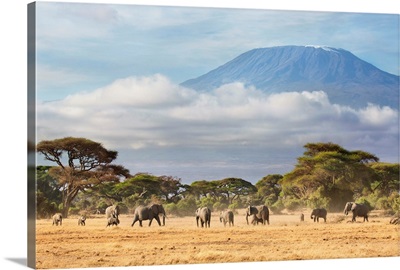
81 164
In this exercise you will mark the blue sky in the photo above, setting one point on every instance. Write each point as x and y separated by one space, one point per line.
85 46
111 73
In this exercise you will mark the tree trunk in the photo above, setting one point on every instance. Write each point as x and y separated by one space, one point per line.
69 197
66 206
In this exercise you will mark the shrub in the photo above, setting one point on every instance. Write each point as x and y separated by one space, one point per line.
186 207
171 209
292 204
235 205
218 206
277 207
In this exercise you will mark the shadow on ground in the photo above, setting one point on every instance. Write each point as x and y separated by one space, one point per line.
20 261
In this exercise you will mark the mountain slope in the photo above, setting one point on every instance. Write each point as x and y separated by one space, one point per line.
346 79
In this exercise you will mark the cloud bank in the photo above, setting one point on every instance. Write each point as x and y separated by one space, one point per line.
157 123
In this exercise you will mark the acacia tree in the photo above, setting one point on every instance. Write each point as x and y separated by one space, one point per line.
81 164
268 188
233 188
329 175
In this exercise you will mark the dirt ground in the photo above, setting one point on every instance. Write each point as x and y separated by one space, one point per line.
181 242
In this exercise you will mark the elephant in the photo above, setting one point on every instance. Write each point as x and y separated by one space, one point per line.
226 217
204 214
81 220
302 217
260 214
57 219
318 213
112 211
111 221
148 213
358 209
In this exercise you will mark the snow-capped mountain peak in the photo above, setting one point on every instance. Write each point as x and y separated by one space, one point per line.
346 79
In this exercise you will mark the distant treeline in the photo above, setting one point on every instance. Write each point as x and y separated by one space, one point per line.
326 175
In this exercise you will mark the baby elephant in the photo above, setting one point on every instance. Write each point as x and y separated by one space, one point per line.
318 213
226 217
111 221
57 219
81 220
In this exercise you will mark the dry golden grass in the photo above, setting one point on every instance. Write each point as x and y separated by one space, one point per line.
181 242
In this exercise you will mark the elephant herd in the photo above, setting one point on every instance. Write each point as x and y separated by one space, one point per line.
258 214
141 213
357 209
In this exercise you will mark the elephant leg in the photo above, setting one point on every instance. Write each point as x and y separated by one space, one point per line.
140 223
150 221
158 220
134 221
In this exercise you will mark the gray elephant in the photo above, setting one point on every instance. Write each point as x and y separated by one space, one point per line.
57 219
318 213
358 209
301 217
111 221
226 217
112 211
260 214
148 213
82 220
204 215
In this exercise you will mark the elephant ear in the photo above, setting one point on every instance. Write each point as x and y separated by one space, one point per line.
157 208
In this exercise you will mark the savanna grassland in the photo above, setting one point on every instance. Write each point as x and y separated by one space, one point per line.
181 242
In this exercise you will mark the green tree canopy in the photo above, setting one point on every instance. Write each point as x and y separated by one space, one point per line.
48 196
269 189
233 188
328 175
81 164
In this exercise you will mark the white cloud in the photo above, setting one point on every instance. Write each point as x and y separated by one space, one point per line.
140 112
140 92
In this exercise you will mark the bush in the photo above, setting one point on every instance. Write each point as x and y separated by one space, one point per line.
235 205
171 209
292 204
73 210
218 206
277 207
186 207
382 204
394 201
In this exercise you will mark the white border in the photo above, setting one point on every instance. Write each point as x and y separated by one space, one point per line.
14 132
